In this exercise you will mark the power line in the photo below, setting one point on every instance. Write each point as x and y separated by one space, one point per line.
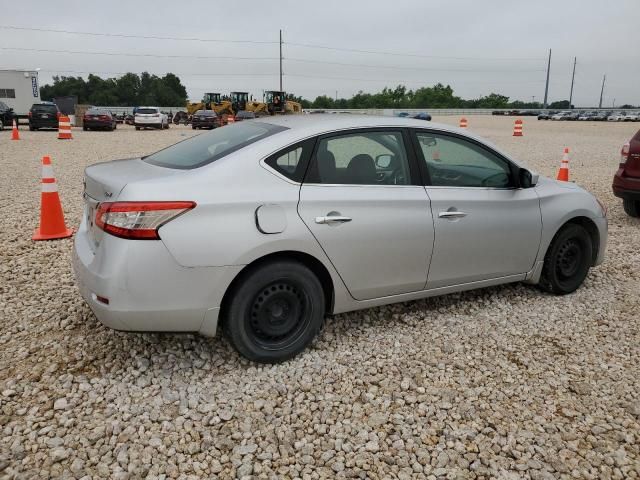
399 54
186 74
400 81
147 37
124 54
399 67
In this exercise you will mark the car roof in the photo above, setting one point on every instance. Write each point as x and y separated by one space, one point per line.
304 126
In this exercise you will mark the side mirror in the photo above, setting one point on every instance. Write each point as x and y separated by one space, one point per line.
527 179
383 161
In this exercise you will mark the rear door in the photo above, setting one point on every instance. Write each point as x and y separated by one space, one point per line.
362 201
485 227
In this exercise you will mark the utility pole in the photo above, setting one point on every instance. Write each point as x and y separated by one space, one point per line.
546 87
602 90
573 76
336 95
281 61
613 104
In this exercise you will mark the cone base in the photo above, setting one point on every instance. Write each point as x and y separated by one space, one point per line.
39 236
518 135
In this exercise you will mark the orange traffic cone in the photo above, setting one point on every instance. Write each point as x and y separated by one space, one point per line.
563 173
463 122
517 128
51 217
15 135
64 128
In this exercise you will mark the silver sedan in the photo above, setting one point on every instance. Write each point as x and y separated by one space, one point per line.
263 228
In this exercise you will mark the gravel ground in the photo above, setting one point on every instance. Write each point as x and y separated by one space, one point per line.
502 383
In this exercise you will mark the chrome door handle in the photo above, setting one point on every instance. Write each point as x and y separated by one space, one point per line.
328 220
454 214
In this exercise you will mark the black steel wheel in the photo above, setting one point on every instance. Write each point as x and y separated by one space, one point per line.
275 312
567 261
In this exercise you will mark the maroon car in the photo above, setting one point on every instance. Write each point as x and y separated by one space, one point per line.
95 118
626 182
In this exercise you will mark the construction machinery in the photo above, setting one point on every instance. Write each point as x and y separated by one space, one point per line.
239 101
211 101
277 103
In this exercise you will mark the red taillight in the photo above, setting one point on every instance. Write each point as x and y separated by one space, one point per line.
30 114
138 220
624 154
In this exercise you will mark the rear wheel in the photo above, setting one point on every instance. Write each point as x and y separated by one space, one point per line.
137 128
275 312
632 207
567 261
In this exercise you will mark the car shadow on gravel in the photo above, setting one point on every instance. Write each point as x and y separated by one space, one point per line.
181 353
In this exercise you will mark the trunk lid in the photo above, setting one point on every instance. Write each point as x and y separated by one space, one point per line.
632 165
103 182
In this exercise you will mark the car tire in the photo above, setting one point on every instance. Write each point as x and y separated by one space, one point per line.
193 127
631 207
137 128
32 129
567 261
1 126
275 312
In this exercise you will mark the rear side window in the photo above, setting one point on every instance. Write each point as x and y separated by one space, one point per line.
208 147
292 162
146 111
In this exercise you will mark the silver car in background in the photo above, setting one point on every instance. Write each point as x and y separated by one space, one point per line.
262 228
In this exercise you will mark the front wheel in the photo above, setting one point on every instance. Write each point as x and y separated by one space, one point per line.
631 207
567 261
275 312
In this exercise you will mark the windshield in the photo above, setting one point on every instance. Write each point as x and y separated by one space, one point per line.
208 147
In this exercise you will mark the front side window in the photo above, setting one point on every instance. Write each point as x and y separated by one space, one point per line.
363 158
454 162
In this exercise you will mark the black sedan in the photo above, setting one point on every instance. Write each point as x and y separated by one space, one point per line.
6 116
205 119
95 119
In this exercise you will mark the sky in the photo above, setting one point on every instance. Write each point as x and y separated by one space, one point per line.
338 47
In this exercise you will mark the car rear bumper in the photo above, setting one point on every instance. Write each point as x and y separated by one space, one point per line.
147 290
626 187
96 124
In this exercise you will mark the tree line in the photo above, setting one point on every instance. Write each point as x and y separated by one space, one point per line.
129 90
132 90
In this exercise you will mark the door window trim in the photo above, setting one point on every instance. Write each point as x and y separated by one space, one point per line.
424 171
414 172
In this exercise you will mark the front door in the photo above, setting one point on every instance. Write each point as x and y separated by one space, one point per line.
485 227
361 202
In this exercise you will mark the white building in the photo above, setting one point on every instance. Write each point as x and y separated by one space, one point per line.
19 89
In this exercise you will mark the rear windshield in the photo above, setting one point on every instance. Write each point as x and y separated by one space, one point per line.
206 113
246 115
208 147
45 108
147 110
97 112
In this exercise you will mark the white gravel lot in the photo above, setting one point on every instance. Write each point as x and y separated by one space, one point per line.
503 383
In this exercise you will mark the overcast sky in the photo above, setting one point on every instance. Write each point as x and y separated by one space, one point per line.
477 47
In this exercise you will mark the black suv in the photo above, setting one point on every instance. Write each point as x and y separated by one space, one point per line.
43 115
6 116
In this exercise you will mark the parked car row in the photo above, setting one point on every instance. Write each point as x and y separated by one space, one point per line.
210 119
595 115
